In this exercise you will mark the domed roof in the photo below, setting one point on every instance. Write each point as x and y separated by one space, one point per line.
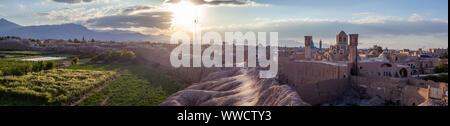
342 33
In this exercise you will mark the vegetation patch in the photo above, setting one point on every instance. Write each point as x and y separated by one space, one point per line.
115 56
138 85
13 66
53 86
16 66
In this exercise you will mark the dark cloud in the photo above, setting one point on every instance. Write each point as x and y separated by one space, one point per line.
73 1
214 2
135 8
159 20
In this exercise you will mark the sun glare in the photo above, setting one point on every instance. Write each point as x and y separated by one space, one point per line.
184 14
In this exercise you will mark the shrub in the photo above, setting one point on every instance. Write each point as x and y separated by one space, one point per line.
75 60
22 69
50 65
1 73
116 56
430 77
39 66
442 78
441 68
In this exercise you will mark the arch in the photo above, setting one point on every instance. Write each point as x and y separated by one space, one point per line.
403 73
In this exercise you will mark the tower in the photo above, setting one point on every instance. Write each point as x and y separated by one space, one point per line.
308 44
353 53
342 38
353 48
320 44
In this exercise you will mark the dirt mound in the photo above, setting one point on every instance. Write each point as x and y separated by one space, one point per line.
236 87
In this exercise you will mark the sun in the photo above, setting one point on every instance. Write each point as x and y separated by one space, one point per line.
185 14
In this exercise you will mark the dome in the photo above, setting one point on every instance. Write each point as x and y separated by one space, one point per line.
342 33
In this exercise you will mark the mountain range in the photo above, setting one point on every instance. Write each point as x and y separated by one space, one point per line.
72 31
69 31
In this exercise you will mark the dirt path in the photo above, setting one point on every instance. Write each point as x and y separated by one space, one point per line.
4 77
104 101
82 98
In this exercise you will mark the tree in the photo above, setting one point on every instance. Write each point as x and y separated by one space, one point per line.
22 69
75 60
83 40
442 78
70 40
441 68
76 40
1 73
92 40
39 66
445 56
430 77
50 65
379 49
118 56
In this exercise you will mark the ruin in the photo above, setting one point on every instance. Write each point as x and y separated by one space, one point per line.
322 76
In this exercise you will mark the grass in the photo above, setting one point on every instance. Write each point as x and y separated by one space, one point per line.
21 52
37 54
137 86
9 62
51 87
12 62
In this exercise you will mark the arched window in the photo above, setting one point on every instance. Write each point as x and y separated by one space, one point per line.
403 72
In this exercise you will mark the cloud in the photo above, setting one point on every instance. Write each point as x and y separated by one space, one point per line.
217 2
21 6
70 15
391 31
329 27
160 20
74 1
143 19
134 9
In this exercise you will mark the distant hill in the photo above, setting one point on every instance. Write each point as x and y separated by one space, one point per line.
69 31
293 43
7 25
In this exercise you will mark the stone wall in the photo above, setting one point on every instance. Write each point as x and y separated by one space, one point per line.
394 90
316 82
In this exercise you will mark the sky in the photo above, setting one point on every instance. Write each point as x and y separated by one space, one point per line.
395 24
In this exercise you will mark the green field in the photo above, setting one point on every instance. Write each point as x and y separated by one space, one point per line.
51 87
22 52
137 86
10 65
37 53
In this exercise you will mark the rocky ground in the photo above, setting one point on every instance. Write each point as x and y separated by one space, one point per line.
236 87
